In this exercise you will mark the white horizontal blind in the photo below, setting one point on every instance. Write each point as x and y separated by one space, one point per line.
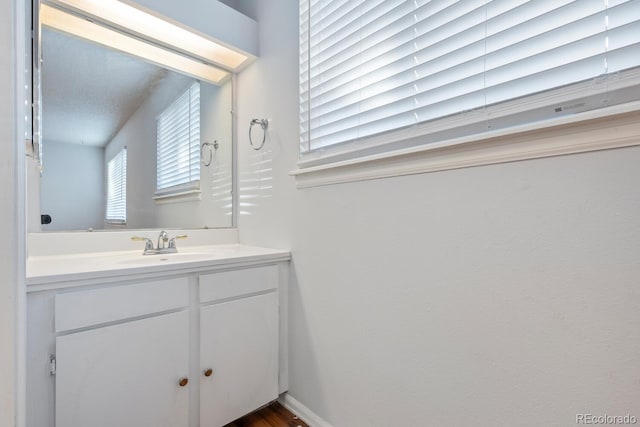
117 188
178 156
405 68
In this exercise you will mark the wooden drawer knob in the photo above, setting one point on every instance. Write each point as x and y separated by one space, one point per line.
208 372
183 382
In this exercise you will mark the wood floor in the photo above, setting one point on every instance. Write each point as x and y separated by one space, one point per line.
274 415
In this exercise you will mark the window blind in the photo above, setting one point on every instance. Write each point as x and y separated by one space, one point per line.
117 188
379 71
178 142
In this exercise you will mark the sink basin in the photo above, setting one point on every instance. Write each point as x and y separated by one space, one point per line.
170 258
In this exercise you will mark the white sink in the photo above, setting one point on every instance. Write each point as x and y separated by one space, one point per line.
170 258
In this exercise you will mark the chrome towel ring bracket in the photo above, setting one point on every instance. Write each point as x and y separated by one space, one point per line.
208 146
264 124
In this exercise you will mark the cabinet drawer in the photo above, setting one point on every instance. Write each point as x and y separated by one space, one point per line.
230 284
80 309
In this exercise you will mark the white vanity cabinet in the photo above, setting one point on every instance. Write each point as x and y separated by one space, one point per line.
198 349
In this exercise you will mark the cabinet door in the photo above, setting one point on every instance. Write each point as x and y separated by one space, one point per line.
239 342
125 375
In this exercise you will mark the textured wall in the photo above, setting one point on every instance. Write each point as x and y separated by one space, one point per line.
492 296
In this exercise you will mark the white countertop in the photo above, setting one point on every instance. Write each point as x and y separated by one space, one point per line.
54 271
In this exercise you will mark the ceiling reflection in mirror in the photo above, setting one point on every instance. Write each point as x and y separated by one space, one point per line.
95 102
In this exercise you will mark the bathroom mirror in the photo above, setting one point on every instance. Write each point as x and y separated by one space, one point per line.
95 102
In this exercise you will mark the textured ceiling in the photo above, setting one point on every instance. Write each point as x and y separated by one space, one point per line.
89 91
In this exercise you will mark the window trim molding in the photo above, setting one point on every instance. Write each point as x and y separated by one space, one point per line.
607 128
182 196
185 192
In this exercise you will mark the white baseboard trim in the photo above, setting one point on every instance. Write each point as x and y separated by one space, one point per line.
304 413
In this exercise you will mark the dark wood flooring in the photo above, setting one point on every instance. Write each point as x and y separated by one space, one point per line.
274 415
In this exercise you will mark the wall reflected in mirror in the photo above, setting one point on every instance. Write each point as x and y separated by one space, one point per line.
95 101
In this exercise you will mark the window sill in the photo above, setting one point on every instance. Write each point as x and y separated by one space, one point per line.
178 197
607 128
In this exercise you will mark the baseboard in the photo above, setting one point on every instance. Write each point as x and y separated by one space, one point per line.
304 413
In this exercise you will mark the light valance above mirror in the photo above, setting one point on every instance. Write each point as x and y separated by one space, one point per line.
150 26
156 39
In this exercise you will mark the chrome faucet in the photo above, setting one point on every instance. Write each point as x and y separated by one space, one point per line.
163 238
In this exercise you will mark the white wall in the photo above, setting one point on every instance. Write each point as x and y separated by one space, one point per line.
8 220
139 135
490 296
246 7
72 187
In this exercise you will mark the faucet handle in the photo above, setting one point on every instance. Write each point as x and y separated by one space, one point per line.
148 243
172 242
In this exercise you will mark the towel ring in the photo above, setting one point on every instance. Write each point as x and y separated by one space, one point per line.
208 145
264 124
